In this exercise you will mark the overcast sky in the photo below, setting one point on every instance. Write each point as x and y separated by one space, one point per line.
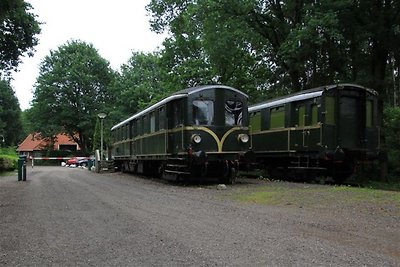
115 28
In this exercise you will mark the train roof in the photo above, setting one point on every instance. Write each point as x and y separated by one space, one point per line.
306 94
177 95
196 89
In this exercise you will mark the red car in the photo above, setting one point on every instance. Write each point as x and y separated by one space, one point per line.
75 160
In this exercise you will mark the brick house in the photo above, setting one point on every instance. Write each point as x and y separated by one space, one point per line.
34 145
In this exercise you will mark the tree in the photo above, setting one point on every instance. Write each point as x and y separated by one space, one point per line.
10 122
138 85
18 31
205 49
293 44
73 86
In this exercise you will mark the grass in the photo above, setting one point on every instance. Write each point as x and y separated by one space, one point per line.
8 173
310 195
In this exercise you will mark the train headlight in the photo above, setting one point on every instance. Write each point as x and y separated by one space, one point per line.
196 138
244 138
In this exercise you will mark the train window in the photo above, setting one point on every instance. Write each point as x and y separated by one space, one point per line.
203 112
146 124
330 110
134 128
369 113
178 114
255 121
314 114
302 116
152 122
139 126
161 118
127 131
233 112
277 117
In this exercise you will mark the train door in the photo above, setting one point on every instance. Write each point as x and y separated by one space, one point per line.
349 118
175 126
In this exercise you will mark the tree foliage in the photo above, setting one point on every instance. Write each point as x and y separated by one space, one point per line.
138 85
18 31
10 122
73 86
268 47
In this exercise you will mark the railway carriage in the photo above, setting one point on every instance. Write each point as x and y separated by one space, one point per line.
321 131
193 133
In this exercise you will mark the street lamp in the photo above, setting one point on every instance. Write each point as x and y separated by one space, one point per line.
101 116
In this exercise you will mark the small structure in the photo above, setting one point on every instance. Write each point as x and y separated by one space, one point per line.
34 145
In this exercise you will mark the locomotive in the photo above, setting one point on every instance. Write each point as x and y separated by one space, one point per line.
322 131
193 133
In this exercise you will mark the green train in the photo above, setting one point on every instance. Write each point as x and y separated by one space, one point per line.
321 131
193 133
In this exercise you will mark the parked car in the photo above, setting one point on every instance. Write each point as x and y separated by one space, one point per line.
76 161
83 162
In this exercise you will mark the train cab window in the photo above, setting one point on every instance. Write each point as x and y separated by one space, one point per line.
330 110
255 121
161 118
233 112
203 112
369 113
127 136
152 122
277 117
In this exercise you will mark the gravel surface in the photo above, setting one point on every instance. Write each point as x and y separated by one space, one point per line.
68 217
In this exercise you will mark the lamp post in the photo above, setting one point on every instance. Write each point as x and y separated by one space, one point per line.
101 116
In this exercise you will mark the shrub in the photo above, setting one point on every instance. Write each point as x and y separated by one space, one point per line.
391 126
8 163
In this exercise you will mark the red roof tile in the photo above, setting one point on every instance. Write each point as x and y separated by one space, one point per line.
34 142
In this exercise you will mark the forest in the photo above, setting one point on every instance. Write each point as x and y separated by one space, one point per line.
265 48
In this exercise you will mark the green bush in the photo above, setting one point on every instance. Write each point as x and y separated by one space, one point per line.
391 129
8 163
8 159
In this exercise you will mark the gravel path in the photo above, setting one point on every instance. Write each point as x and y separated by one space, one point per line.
64 217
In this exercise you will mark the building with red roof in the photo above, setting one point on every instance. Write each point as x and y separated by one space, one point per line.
34 144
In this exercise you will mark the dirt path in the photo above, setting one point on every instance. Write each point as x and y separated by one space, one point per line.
63 216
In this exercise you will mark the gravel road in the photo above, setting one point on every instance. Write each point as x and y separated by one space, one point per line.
73 217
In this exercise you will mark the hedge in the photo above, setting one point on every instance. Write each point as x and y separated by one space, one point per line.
8 163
